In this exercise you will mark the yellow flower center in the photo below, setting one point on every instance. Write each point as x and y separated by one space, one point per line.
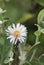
16 33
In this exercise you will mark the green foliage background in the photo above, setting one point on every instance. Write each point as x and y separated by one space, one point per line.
25 12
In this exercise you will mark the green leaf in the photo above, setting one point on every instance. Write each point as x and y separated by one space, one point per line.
5 50
37 33
41 38
41 18
41 58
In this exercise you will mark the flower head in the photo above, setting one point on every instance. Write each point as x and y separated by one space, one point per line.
16 33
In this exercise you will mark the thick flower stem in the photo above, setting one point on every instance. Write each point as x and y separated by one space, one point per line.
9 63
16 55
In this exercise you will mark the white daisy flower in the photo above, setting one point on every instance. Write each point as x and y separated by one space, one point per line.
16 33
2 11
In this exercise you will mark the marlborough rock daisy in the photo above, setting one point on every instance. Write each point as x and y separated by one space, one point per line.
16 33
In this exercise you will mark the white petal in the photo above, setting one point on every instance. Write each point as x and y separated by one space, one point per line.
23 30
21 27
10 37
11 40
18 25
10 29
7 31
13 26
16 41
23 34
21 39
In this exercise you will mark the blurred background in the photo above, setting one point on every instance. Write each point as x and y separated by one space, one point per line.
25 12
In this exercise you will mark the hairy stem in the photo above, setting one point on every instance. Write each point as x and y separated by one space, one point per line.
16 55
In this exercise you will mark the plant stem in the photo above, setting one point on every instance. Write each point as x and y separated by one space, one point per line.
34 51
16 55
33 54
37 39
9 63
